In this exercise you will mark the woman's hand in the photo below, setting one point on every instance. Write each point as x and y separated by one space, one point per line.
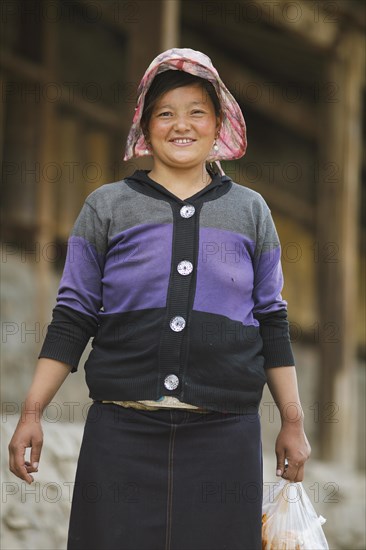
293 445
28 433
48 378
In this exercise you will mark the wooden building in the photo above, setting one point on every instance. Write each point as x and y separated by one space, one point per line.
69 73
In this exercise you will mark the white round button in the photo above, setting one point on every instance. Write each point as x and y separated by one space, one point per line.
187 211
177 323
185 267
171 381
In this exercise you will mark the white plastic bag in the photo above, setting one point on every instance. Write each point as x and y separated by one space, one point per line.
289 521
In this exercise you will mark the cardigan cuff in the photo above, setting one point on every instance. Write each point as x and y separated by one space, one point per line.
275 333
278 354
63 350
67 336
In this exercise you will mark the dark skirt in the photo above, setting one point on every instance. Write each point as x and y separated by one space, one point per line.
168 479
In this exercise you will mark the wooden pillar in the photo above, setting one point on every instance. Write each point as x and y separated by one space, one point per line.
3 79
170 24
45 233
337 248
144 38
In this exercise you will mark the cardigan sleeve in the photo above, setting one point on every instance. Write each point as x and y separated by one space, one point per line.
270 309
79 298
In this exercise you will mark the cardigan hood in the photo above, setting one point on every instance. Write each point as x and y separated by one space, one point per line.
231 142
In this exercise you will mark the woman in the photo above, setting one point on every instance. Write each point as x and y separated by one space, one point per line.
176 274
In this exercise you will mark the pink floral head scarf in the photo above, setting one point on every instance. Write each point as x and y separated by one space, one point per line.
231 141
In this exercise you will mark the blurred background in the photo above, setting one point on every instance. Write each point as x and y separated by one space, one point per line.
69 75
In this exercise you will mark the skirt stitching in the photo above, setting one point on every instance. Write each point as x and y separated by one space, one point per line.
170 484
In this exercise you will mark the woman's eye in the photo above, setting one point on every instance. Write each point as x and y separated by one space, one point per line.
166 114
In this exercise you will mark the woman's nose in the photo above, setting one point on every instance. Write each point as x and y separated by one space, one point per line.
181 123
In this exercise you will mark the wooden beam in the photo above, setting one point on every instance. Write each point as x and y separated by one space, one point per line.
248 36
266 97
340 134
288 204
308 20
352 12
118 15
27 70
40 75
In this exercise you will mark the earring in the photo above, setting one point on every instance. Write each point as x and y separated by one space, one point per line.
147 150
215 146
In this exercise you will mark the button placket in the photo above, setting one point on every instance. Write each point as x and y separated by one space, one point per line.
174 336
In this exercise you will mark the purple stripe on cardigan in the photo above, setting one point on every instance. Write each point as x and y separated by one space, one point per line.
140 260
269 282
225 275
226 284
80 285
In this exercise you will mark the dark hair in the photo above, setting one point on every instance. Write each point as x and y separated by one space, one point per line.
169 80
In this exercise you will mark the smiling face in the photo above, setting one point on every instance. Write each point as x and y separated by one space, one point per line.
182 128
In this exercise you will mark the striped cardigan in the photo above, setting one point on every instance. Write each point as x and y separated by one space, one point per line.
182 298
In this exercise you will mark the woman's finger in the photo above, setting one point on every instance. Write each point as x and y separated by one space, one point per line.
30 467
281 462
17 463
36 452
300 473
291 470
